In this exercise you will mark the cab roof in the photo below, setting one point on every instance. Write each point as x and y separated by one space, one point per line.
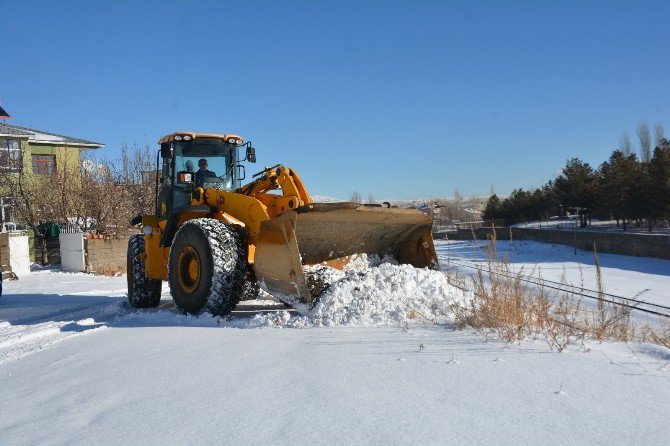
226 137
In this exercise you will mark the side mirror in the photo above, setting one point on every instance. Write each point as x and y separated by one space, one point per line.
251 154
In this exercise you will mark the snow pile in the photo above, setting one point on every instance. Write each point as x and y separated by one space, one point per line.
373 292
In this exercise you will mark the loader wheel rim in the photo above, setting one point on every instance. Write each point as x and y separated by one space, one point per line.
189 269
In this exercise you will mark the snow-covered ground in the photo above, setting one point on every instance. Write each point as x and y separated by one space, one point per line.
78 366
643 278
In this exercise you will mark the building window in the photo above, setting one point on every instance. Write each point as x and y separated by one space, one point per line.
44 164
7 211
10 155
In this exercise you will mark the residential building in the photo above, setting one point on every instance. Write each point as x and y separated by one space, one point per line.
37 152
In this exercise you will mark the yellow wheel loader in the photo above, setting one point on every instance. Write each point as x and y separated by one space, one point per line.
216 240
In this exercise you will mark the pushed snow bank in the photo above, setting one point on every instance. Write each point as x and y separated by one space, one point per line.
373 292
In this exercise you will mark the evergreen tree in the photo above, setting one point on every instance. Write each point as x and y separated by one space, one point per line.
492 209
617 178
522 205
658 183
576 186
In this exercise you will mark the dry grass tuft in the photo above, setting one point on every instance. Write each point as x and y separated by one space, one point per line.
516 306
660 336
609 321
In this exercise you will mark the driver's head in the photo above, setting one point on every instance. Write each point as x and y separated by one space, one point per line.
202 163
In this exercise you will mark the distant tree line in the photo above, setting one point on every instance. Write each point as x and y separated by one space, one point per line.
625 188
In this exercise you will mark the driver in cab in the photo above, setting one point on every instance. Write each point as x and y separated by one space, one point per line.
202 173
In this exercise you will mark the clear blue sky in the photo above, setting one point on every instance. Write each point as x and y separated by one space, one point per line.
397 99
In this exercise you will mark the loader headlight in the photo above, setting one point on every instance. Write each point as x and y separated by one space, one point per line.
177 137
234 141
187 137
147 229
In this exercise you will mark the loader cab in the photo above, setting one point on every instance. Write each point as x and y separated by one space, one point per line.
181 172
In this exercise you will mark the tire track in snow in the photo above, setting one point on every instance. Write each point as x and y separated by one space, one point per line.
29 335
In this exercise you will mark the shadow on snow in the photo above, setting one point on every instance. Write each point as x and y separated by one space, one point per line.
88 312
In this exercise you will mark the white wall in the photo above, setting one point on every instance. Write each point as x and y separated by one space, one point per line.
19 255
72 251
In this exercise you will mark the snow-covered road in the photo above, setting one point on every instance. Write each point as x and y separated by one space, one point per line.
78 366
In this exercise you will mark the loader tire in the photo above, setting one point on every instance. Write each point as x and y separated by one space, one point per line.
142 291
206 267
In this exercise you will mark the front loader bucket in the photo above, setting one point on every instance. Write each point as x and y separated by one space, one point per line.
330 233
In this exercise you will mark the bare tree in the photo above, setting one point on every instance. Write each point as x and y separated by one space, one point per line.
625 145
49 195
137 174
95 195
113 192
356 197
644 135
106 205
371 199
458 197
659 133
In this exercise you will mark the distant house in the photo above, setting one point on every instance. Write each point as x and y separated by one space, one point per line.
37 152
